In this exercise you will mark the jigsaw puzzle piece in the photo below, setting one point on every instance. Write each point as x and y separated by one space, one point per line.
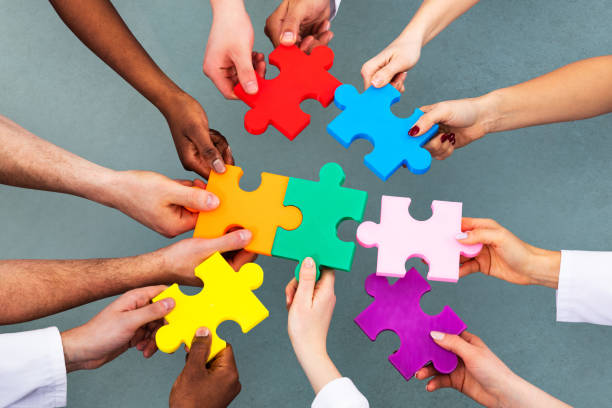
227 295
278 100
368 116
324 205
396 308
260 211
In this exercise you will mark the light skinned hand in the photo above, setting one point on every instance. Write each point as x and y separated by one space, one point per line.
212 385
180 259
229 56
200 148
302 22
131 320
506 257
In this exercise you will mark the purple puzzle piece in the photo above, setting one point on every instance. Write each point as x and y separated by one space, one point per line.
396 308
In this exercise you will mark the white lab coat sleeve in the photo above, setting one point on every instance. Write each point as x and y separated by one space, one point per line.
585 287
32 369
334 5
340 393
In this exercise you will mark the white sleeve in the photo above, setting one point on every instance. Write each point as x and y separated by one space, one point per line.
585 287
334 5
340 393
32 369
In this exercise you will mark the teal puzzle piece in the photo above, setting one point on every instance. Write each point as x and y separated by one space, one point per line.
324 205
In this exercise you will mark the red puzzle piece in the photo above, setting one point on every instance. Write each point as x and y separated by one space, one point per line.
278 100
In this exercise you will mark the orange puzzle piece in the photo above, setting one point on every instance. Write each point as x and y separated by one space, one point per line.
260 211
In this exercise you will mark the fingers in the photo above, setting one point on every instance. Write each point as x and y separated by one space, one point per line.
482 236
195 199
229 242
308 276
371 67
468 268
222 145
149 313
438 113
453 343
384 75
398 81
473 223
439 381
325 284
425 372
224 360
199 351
241 258
290 24
290 290
246 72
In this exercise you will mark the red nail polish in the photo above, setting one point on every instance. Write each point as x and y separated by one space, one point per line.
413 131
444 137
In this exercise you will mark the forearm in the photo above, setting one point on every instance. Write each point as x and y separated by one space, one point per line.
526 395
545 267
576 91
434 16
319 369
36 288
98 25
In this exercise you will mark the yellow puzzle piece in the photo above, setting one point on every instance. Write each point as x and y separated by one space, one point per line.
227 295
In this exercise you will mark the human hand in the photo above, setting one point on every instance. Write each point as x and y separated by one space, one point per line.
212 385
229 56
180 259
302 22
199 147
129 321
391 64
506 257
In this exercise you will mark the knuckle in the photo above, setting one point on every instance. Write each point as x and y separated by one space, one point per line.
209 152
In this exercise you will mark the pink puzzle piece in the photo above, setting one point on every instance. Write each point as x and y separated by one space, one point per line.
399 237
396 308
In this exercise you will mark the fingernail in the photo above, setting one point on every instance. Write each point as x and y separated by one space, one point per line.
414 131
377 82
287 300
461 235
326 26
251 87
308 262
212 201
436 335
218 166
287 36
167 303
202 332
444 138
245 235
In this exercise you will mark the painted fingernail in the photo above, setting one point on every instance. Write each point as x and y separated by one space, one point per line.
251 87
287 36
377 82
444 138
245 235
326 26
436 335
167 303
308 262
414 131
202 332
461 235
212 201
219 166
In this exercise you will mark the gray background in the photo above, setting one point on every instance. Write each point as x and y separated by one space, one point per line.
550 185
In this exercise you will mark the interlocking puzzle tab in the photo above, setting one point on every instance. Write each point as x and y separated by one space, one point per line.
227 295
399 237
324 205
260 211
396 308
278 100
368 116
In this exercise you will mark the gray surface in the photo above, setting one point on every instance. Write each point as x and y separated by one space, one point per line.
550 185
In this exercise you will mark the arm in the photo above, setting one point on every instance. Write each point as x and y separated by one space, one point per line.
575 91
311 305
150 198
391 64
98 25
37 288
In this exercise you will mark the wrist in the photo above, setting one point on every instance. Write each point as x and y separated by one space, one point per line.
70 350
546 267
227 7
100 186
490 111
413 33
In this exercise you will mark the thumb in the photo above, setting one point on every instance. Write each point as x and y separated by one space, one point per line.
481 236
246 72
195 199
437 114
290 25
452 343
306 285
151 312
200 349
384 75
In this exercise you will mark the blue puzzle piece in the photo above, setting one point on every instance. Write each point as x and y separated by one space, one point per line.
368 116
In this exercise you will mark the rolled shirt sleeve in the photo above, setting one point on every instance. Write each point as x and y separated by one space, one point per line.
33 371
585 287
340 393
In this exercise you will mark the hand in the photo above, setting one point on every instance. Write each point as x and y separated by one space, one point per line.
200 385
180 259
129 321
506 257
461 122
302 22
479 374
199 148
391 64
158 202
229 56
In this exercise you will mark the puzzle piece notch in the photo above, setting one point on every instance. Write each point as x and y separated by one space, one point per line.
396 308
260 211
324 205
278 100
400 237
227 295
368 116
